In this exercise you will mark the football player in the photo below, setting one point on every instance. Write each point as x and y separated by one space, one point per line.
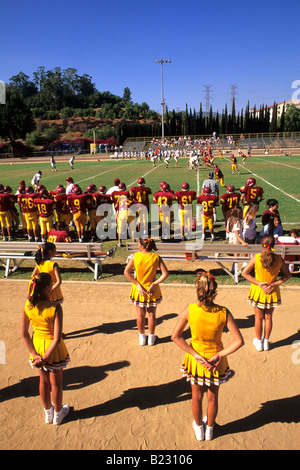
45 207
185 199
78 202
251 193
219 175
29 212
229 201
209 202
234 165
6 199
141 195
164 199
122 200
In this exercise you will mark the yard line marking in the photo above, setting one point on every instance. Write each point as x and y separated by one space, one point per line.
284 164
103 173
270 184
148 172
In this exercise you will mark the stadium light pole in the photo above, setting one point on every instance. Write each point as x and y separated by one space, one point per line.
161 62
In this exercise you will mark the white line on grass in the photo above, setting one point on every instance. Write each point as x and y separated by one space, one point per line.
148 172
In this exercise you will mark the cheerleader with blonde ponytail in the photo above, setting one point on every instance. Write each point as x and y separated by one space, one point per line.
205 364
264 293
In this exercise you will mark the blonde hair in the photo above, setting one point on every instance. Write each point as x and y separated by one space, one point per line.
206 288
267 254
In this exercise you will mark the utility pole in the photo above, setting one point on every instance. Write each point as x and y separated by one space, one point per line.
161 62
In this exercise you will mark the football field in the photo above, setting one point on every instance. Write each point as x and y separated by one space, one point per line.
278 175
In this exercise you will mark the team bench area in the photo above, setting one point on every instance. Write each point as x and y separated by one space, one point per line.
220 253
13 254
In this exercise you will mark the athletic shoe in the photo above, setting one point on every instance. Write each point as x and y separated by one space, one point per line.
266 344
199 431
151 340
112 251
60 415
258 343
49 414
209 433
142 339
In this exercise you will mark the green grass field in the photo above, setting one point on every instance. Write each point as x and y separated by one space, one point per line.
277 174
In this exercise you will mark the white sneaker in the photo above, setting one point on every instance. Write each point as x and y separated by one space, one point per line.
209 433
60 415
49 415
258 343
142 339
199 431
151 340
266 344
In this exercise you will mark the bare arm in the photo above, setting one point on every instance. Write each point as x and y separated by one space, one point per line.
57 275
162 277
131 278
180 341
24 333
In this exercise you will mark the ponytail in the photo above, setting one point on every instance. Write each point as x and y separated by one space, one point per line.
267 254
206 288
37 286
148 244
43 252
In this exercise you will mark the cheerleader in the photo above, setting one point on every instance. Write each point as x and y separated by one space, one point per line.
264 293
145 292
48 352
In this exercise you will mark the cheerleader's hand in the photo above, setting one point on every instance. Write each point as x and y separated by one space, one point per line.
201 360
141 290
37 361
151 289
215 361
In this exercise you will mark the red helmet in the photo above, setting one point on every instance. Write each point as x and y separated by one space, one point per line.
61 190
230 189
74 187
215 166
29 190
7 189
122 186
161 184
21 189
141 181
185 186
77 190
43 193
165 187
102 189
39 187
91 188
251 181
59 186
206 190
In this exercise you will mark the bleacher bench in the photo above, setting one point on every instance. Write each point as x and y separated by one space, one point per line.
220 253
13 254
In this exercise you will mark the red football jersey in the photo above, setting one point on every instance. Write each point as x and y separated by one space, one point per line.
185 197
208 201
6 199
141 195
44 206
252 194
230 200
122 199
78 202
61 204
26 202
58 236
163 199
97 199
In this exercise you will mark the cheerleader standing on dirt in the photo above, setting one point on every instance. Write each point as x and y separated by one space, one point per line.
43 258
48 352
205 364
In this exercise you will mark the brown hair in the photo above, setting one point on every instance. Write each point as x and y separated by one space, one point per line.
267 255
37 286
251 212
235 216
206 288
148 244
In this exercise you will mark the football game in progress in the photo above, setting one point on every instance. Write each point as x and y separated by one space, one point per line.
149 231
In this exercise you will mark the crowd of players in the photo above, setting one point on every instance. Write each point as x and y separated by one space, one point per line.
49 214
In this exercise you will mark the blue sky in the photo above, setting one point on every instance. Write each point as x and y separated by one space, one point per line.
252 45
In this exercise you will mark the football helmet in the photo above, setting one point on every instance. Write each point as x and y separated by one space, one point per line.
102 189
29 190
206 190
77 190
251 181
7 189
185 186
141 181
165 187
43 193
122 186
91 188
230 189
